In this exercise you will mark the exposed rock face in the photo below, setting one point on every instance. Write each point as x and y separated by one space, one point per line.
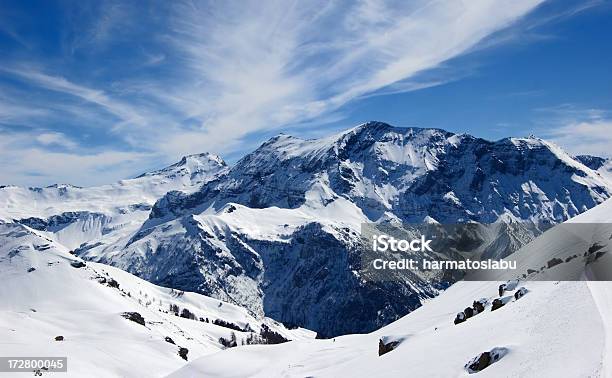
553 262
485 359
478 306
183 353
482 361
135 317
77 264
497 303
593 162
449 177
386 344
520 293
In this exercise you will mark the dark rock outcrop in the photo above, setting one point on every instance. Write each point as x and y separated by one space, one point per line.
520 293
387 344
497 303
77 264
135 317
183 353
478 306
553 262
460 318
485 359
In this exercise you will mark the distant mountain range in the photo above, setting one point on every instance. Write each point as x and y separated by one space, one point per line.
278 232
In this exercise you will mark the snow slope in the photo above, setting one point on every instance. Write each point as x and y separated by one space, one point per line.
557 329
44 296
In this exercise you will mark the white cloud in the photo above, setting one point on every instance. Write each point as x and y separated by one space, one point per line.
593 137
122 110
55 139
10 112
24 164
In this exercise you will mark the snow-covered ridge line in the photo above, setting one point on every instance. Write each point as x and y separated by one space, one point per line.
277 233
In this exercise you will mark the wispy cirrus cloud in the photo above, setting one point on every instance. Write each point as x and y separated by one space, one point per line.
259 66
207 75
592 137
121 109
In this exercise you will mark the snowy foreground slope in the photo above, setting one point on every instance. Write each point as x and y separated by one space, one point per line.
557 329
46 293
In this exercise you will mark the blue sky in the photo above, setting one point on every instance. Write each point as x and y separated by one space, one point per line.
95 91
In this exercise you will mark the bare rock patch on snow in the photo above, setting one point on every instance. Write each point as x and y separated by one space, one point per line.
388 343
485 359
135 317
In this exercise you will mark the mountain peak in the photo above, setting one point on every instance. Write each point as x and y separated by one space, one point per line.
204 157
204 162
62 186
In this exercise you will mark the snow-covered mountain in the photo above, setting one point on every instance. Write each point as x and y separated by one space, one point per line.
550 329
110 323
73 215
279 232
187 175
407 173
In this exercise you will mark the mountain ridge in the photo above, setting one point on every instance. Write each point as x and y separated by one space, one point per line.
278 232
254 235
